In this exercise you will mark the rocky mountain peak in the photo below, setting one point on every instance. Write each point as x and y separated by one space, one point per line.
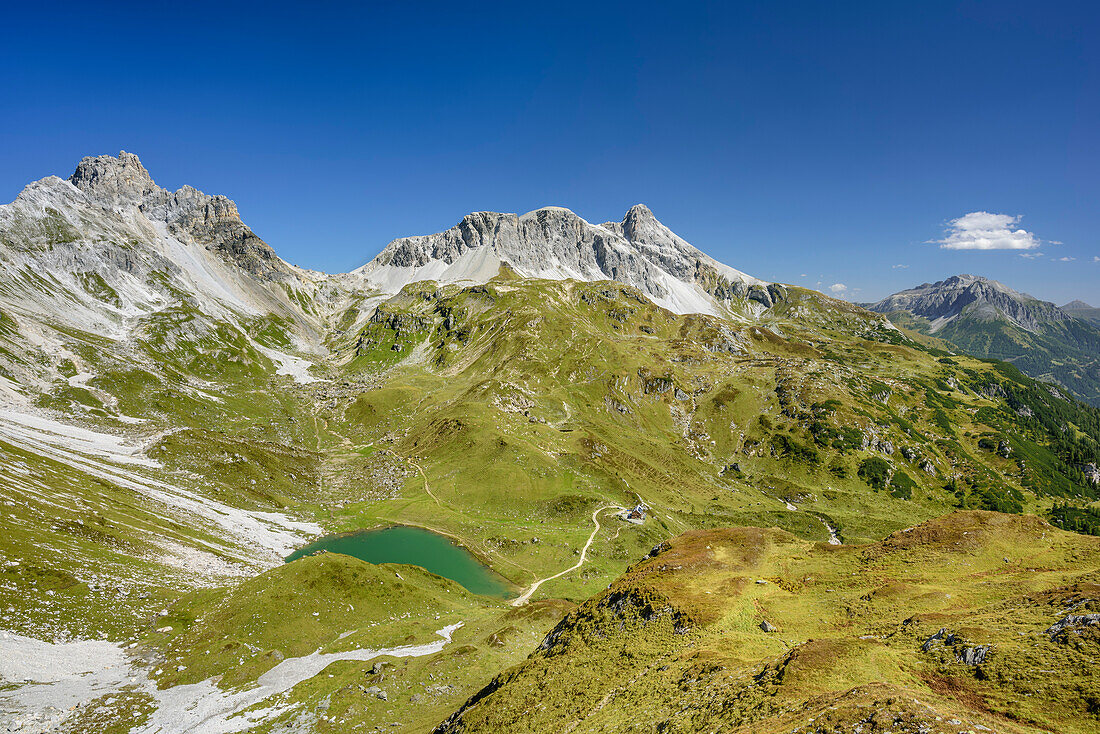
637 214
639 225
976 283
113 181
1076 305
976 297
124 185
555 243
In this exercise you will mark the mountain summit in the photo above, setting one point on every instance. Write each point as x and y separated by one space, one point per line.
987 318
122 184
108 252
1082 310
555 243
110 192
978 298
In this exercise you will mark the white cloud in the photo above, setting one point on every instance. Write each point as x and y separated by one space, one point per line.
1031 255
1096 258
899 267
802 276
1066 259
985 231
838 288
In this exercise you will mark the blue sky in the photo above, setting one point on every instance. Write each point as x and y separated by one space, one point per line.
807 142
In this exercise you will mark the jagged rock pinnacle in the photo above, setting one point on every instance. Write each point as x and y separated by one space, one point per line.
113 181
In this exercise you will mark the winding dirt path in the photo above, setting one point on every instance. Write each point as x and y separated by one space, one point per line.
425 478
526 596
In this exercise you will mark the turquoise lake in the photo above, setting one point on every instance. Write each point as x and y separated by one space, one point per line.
415 546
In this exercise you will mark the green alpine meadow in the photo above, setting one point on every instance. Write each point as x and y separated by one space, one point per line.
528 474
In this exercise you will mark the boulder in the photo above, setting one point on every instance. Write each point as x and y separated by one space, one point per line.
1072 622
974 655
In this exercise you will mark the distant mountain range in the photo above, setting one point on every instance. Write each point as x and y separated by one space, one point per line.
988 319
1082 310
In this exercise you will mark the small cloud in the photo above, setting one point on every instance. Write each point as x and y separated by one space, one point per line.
1031 255
986 231
899 267
1066 259
802 276
1096 258
838 288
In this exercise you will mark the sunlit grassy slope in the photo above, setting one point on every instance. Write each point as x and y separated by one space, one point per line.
527 404
1065 352
505 415
677 643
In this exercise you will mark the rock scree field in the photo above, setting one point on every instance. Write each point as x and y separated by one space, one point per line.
559 476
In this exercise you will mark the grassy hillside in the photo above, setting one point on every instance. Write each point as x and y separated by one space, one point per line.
507 416
756 630
1062 352
528 404
1083 311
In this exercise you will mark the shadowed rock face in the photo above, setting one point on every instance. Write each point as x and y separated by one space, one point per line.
213 221
977 297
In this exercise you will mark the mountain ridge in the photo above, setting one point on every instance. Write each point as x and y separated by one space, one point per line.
555 243
982 298
989 319
123 182
550 242
109 252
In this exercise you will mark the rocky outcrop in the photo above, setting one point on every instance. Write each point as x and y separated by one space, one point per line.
940 637
122 184
973 655
965 654
1073 623
114 182
1092 473
639 605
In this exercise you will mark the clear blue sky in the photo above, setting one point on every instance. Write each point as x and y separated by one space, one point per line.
831 139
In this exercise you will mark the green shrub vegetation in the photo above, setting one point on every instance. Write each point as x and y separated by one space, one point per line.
875 471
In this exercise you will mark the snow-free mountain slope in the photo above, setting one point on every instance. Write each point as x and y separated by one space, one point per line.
989 319
977 297
947 627
1082 310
